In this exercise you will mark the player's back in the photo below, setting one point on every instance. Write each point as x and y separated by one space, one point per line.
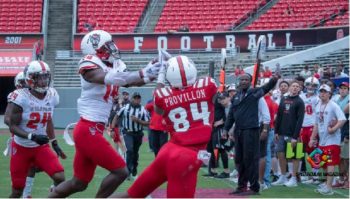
96 100
188 112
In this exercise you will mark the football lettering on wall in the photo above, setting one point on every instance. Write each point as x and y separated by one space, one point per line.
245 40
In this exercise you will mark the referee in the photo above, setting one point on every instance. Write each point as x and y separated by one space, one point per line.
134 116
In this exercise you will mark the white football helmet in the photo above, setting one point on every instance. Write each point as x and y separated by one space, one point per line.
101 44
311 84
38 76
180 72
20 80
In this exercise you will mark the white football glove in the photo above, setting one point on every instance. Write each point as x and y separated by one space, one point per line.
119 65
151 70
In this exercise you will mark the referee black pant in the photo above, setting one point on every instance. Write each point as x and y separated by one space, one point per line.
133 141
247 146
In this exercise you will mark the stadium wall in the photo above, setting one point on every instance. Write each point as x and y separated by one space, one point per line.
245 40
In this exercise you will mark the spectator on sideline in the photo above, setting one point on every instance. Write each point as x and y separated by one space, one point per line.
340 72
244 114
343 102
328 73
318 71
264 120
305 73
157 135
329 120
238 71
282 90
278 69
289 10
273 107
91 24
134 116
288 124
216 145
113 129
232 90
267 73
126 99
38 50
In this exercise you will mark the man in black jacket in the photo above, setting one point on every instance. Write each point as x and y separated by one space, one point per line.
288 124
244 114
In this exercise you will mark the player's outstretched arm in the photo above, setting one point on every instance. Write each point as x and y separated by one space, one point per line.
125 79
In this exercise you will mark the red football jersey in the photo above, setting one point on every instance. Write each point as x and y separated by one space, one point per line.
188 112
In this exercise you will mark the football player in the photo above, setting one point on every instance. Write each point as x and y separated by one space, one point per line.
187 107
29 116
102 72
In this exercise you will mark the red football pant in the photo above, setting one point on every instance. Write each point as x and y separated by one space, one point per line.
305 136
176 164
23 158
92 149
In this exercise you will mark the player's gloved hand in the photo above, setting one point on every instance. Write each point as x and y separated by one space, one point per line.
58 149
150 71
40 139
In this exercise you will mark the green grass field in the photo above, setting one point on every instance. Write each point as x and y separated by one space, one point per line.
43 182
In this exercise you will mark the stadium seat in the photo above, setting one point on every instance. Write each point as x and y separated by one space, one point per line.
210 12
306 12
118 11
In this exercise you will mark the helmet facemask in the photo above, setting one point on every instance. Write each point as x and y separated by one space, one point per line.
108 52
311 88
39 82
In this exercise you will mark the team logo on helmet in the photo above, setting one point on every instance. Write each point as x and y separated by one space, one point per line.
95 40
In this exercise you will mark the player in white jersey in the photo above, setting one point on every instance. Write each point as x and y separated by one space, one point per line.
29 114
101 72
328 122
310 99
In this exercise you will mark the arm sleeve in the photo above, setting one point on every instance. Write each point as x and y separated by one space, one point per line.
17 98
265 113
145 115
300 118
339 113
279 117
121 111
269 85
230 119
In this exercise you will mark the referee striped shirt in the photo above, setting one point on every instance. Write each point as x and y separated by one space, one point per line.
127 111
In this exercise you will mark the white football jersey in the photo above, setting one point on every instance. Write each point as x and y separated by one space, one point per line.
36 112
96 100
310 105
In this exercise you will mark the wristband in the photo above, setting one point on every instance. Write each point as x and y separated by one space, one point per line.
30 135
54 139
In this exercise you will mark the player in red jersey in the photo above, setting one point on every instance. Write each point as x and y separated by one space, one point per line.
188 110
